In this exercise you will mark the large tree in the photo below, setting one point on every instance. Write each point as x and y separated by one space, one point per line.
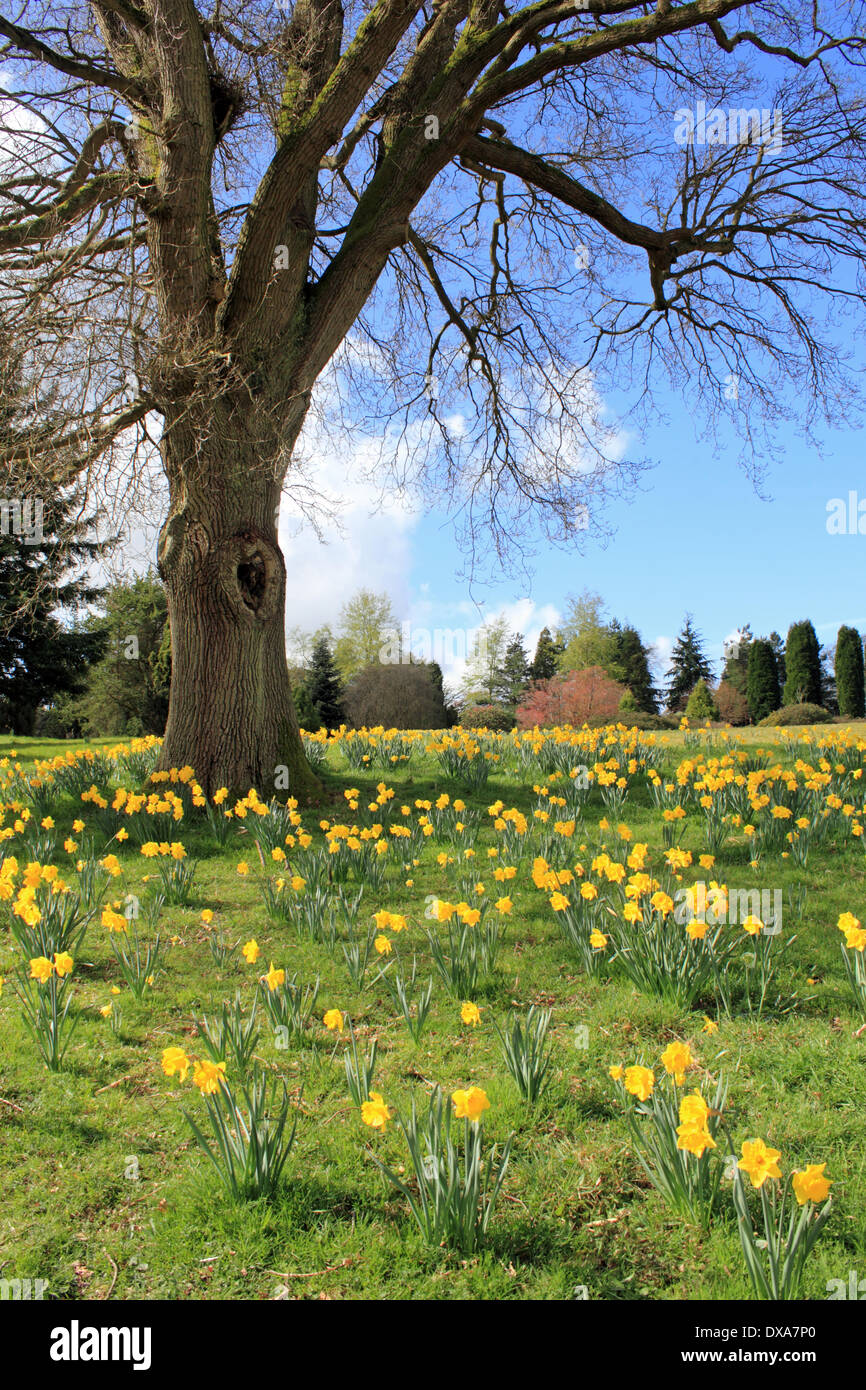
471 213
849 673
630 666
763 688
515 669
484 680
46 550
127 690
587 634
688 666
367 633
804 678
736 653
548 650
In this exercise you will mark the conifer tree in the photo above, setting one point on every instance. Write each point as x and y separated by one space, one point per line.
515 669
803 681
762 688
849 673
736 669
688 666
45 548
630 666
547 653
324 685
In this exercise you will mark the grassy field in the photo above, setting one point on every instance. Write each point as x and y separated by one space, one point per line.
107 1195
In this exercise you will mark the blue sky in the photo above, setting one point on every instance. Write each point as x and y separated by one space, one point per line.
700 538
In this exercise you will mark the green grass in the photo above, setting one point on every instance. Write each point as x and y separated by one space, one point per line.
106 1193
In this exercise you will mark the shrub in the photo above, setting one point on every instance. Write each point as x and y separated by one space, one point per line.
401 696
640 720
796 714
487 717
580 696
733 706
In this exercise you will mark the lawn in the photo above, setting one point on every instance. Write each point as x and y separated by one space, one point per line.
107 1193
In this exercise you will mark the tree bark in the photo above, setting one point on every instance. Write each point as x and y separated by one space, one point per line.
231 714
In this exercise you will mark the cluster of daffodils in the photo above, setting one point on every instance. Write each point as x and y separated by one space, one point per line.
42 969
677 1140
468 1105
853 931
206 1074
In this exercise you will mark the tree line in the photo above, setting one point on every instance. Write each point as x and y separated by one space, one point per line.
80 660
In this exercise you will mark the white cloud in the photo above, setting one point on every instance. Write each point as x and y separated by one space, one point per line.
661 659
446 632
336 542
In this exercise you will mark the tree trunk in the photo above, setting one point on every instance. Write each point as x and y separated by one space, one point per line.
231 714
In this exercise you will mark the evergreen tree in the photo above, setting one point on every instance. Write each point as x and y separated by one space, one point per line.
547 653
515 669
442 694
803 666
308 715
762 687
736 669
44 554
630 667
849 673
688 666
324 686
779 653
700 704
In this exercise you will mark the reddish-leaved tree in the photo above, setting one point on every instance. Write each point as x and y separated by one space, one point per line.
571 699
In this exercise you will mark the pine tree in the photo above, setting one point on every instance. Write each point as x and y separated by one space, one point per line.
547 653
630 666
762 687
324 685
803 666
849 673
515 669
688 666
